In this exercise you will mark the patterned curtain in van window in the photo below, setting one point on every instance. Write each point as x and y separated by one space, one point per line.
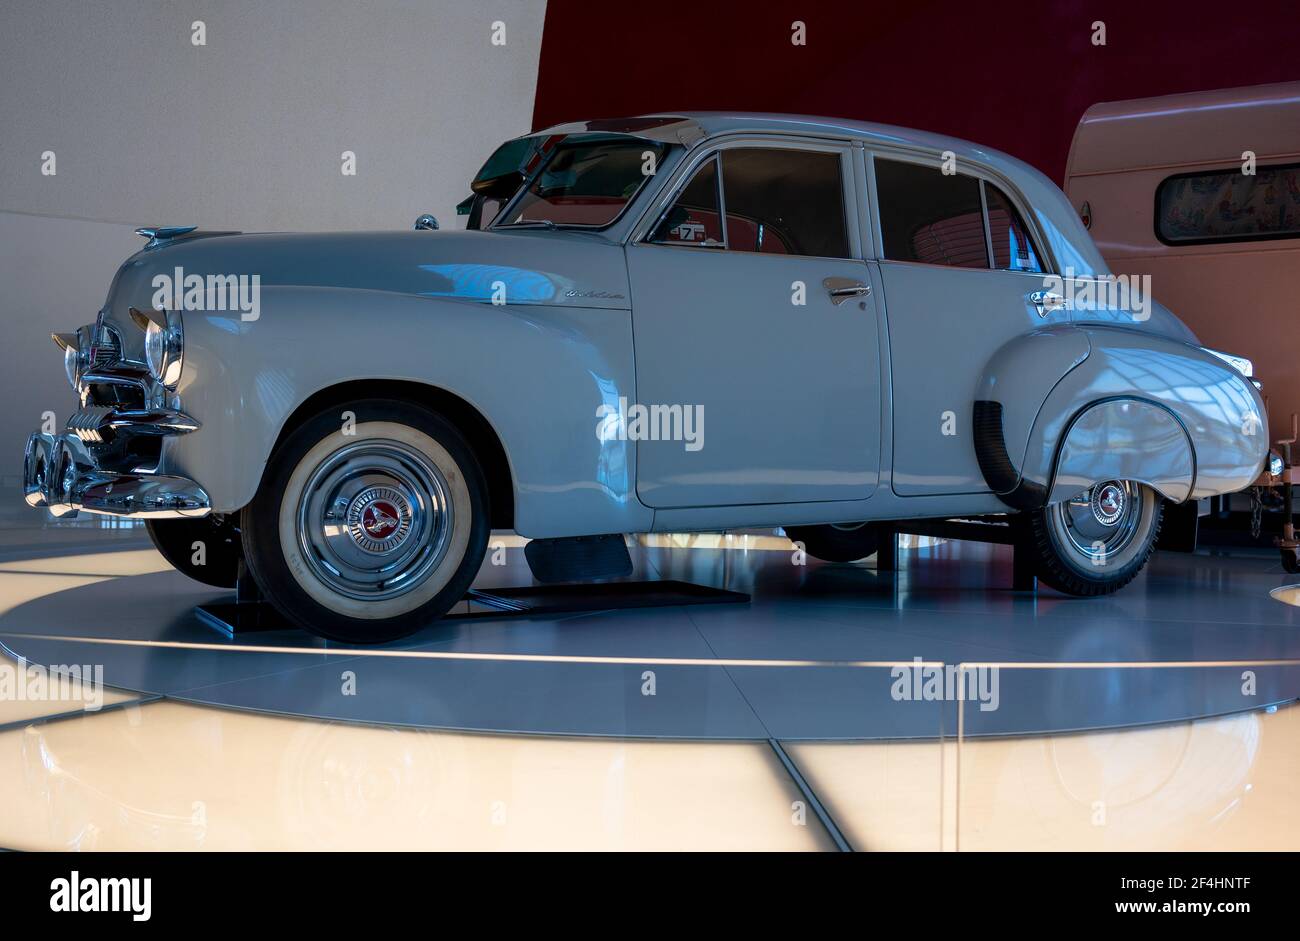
1228 205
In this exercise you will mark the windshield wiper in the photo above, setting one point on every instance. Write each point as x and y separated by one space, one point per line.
528 224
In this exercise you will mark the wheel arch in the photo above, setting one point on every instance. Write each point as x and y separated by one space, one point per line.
482 438
1138 406
1088 452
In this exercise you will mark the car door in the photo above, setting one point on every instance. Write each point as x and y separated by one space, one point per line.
753 306
961 274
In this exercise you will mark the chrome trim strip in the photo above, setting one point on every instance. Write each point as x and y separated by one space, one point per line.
91 422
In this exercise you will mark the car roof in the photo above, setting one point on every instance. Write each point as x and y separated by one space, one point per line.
1070 242
689 126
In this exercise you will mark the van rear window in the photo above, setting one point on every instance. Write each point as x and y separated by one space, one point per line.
1229 206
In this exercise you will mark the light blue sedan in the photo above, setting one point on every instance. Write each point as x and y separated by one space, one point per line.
664 323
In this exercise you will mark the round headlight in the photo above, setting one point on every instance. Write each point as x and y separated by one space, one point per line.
1275 465
163 344
70 365
155 348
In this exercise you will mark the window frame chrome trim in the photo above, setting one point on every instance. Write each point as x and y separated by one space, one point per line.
662 201
969 168
988 230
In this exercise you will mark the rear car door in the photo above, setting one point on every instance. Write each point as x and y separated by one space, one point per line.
962 275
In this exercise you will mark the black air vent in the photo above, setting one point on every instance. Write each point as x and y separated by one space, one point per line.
991 448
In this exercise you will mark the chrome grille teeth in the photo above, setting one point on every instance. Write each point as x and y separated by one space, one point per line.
107 348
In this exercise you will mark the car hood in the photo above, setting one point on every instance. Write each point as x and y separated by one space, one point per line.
534 267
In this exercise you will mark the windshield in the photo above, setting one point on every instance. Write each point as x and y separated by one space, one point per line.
586 182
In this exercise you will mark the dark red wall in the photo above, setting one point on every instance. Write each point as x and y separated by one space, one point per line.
1013 76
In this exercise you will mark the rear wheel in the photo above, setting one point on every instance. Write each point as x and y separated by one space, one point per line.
1096 542
207 549
367 534
836 542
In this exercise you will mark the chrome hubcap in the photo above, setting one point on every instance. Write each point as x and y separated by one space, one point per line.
379 519
375 520
1108 503
1103 520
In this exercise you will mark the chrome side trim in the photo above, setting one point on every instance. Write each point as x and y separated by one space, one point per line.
97 423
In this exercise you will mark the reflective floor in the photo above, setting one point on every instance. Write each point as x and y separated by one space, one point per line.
814 717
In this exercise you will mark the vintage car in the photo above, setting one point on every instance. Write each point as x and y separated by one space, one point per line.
664 323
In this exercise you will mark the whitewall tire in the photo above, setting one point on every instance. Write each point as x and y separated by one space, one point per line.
366 530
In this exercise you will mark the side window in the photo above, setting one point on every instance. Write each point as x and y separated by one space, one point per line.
694 218
930 217
1229 206
1013 249
786 202
777 201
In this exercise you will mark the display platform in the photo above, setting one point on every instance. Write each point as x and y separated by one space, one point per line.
238 617
822 652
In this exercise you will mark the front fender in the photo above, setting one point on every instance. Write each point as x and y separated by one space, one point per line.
538 374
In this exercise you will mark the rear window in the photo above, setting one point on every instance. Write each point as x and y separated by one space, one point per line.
1229 206
951 219
930 217
1013 249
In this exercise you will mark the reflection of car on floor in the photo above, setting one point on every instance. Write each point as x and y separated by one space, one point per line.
877 324
1201 192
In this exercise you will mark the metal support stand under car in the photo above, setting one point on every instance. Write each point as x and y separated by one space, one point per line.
1287 544
997 530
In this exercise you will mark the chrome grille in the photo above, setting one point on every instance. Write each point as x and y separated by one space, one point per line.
106 349
86 423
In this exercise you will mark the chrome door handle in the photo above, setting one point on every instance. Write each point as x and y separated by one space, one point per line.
1045 301
841 289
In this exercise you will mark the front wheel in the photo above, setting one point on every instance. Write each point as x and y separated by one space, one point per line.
1096 542
366 531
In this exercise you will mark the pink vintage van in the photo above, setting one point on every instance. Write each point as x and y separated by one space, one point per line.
1164 185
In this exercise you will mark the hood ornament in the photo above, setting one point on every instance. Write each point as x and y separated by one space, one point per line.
157 234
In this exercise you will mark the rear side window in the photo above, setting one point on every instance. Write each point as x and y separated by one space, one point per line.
786 202
1013 249
1229 206
929 216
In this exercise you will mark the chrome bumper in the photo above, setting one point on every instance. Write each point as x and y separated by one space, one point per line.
61 474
